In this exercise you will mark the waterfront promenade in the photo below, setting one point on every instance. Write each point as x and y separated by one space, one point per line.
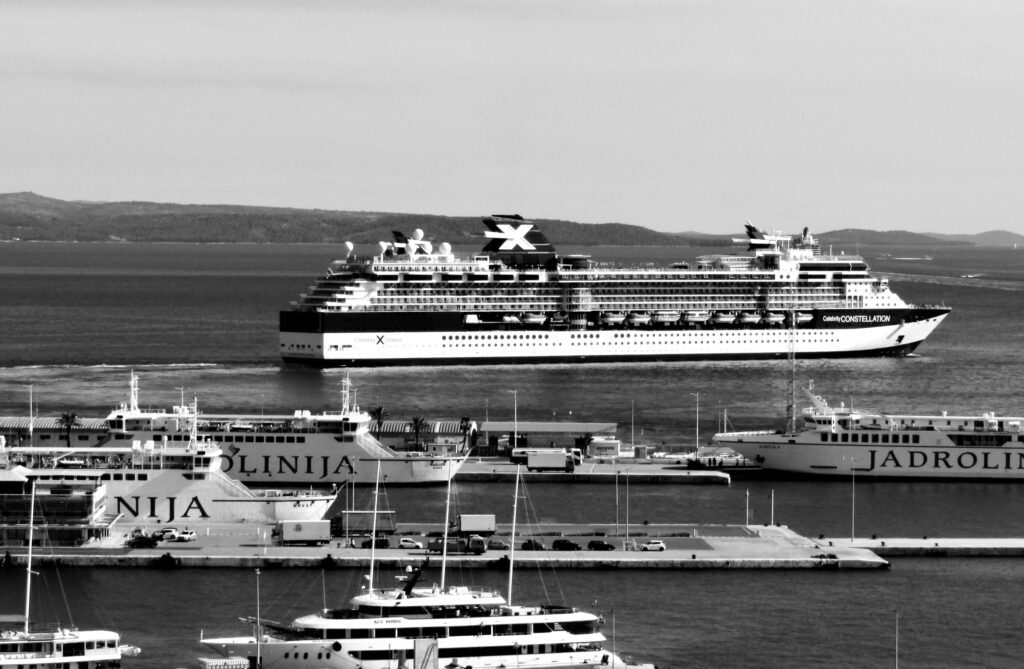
687 547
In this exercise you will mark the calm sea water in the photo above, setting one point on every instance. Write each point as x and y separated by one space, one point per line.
77 317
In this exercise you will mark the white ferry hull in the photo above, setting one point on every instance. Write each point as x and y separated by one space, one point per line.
899 334
177 496
919 461
321 461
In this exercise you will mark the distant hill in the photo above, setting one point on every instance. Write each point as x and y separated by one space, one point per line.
990 238
29 216
853 237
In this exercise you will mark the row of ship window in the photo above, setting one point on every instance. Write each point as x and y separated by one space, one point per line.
475 651
883 438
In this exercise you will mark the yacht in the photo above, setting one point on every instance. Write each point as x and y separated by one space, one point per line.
33 647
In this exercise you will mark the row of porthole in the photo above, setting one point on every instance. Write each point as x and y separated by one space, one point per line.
474 337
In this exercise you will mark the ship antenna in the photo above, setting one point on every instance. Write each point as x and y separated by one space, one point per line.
792 372
133 392
346 389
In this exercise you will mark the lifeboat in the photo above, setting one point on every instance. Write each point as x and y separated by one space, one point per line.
670 316
804 318
750 318
774 319
613 317
697 316
638 318
534 318
511 319
723 318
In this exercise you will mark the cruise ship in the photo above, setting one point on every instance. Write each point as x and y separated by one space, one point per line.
301 449
520 302
842 441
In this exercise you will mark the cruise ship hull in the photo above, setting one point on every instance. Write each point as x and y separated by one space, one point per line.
333 340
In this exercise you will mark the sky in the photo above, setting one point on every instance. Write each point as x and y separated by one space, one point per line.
674 115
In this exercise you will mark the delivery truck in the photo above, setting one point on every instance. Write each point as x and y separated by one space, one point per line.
475 523
549 461
303 532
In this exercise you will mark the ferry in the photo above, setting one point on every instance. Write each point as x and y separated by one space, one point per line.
301 449
157 481
410 303
842 441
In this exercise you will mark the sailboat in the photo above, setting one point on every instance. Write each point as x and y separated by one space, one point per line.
30 648
432 627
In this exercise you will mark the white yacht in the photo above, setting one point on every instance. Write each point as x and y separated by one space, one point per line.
430 627
37 648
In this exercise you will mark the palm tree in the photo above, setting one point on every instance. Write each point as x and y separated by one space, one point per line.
464 429
418 423
379 415
68 421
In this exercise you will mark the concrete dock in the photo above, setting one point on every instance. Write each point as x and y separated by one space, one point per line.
594 471
687 547
931 546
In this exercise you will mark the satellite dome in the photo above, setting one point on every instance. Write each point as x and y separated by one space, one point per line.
445 248
417 234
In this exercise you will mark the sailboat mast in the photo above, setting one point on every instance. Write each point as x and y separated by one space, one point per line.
512 544
444 534
373 531
28 566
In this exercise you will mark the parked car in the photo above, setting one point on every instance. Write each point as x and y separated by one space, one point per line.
534 545
564 545
186 535
406 542
382 542
166 534
599 545
653 545
497 545
142 542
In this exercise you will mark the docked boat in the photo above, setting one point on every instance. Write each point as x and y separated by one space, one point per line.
37 647
431 627
840 441
158 481
304 448
408 304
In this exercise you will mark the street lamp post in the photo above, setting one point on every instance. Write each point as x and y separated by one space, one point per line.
853 495
696 430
